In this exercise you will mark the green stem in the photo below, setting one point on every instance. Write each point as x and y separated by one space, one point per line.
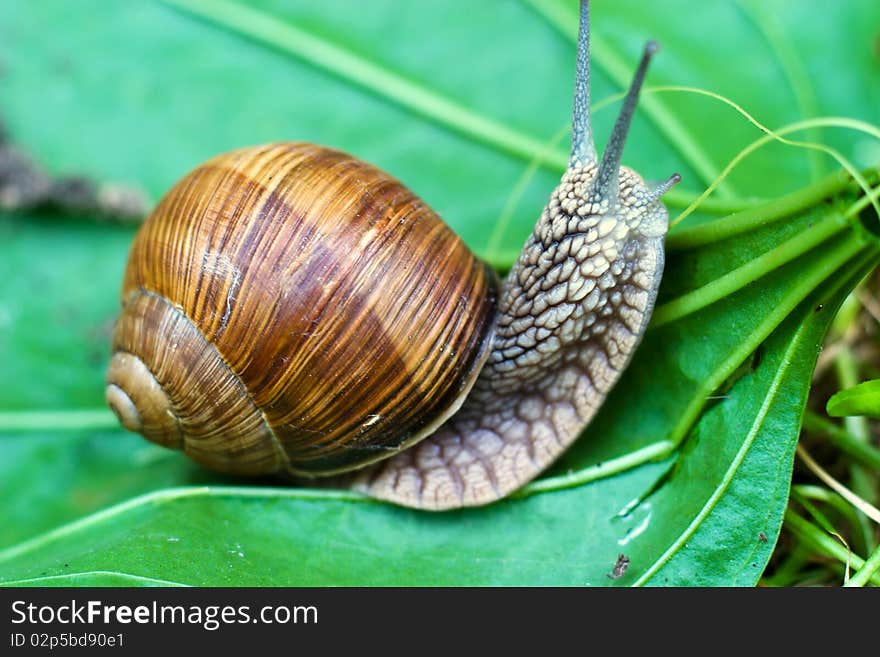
268 30
653 452
752 218
823 543
168 495
777 135
75 420
679 198
805 494
76 579
853 446
865 200
754 269
867 571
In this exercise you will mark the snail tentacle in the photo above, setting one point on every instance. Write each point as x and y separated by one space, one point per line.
583 150
606 182
662 188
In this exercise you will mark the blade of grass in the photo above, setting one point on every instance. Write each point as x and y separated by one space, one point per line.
827 526
865 453
867 572
792 66
803 493
52 420
823 543
865 507
293 40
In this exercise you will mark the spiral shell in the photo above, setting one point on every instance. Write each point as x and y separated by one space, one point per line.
288 308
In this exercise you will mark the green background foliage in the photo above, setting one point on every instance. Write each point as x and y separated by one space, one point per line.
143 91
862 399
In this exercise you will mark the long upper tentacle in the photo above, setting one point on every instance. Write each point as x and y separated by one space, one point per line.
583 150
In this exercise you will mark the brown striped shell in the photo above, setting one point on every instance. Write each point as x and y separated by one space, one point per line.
288 308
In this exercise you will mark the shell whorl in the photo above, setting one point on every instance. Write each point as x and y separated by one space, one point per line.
166 377
139 401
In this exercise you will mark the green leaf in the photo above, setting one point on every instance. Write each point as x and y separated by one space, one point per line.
689 462
861 399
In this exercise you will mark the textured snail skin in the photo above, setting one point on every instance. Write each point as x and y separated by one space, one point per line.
571 314
290 309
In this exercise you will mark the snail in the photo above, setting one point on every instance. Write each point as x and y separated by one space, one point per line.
288 309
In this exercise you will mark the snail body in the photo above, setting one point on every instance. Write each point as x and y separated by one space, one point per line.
289 309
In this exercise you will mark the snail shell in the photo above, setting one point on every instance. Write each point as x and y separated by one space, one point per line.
290 309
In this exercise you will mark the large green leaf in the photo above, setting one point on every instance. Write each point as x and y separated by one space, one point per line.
142 91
